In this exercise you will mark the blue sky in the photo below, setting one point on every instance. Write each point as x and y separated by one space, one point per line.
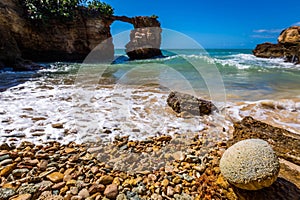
216 23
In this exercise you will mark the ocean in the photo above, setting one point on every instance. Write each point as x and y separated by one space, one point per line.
85 102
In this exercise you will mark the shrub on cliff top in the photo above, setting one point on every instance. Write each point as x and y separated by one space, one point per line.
100 7
62 9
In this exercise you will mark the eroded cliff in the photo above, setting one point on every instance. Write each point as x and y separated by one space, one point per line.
70 40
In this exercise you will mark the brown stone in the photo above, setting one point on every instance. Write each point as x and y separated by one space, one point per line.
22 197
165 182
8 169
63 190
179 155
42 165
31 162
170 191
111 191
84 193
57 125
58 186
95 188
105 180
70 150
94 169
71 182
55 177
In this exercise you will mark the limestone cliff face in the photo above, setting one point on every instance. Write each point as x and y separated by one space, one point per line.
288 46
54 41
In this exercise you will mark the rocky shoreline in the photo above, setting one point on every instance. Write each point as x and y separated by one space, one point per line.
55 171
157 168
288 46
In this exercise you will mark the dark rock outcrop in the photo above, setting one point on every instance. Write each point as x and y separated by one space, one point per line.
288 46
269 50
285 144
180 102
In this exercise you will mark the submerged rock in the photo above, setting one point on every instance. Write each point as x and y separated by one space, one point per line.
250 164
180 102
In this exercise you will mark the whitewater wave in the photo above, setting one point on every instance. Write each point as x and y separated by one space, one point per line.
246 61
238 61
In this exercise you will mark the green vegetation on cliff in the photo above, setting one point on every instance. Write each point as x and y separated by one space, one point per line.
63 9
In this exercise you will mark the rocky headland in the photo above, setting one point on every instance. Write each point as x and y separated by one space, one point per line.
288 46
72 40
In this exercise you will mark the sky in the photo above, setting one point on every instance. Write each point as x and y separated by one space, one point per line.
215 23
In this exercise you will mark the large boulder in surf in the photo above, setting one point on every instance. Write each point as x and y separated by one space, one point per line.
285 143
250 164
180 103
288 46
145 39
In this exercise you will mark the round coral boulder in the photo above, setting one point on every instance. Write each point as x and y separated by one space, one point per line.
250 164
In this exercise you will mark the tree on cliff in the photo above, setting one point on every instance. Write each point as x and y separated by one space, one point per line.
63 9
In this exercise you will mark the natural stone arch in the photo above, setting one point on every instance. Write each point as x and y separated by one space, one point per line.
145 39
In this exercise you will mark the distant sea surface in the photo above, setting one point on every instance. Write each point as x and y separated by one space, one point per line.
130 96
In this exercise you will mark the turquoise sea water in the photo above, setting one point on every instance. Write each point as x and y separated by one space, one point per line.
245 77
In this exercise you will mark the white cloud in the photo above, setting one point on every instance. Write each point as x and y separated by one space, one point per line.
267 31
264 36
